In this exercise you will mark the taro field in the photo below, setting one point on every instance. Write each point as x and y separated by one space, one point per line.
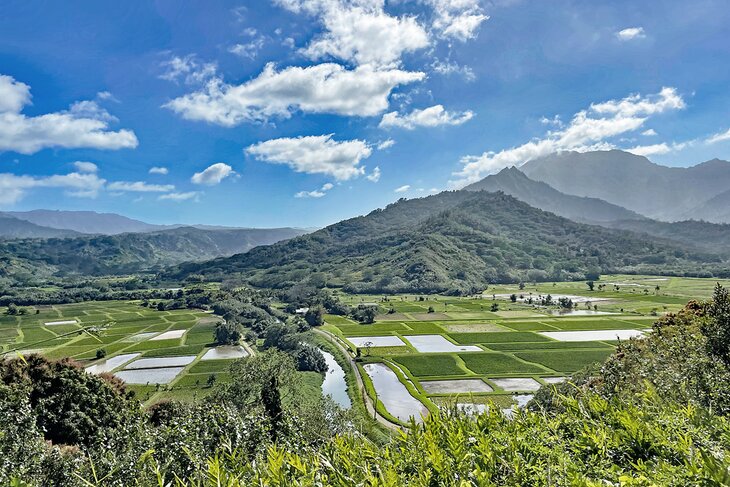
424 351
159 354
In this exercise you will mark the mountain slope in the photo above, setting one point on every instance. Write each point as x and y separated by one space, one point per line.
634 182
85 221
541 195
131 252
11 227
454 241
708 237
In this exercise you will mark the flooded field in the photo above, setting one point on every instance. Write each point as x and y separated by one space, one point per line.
168 335
517 384
438 344
107 365
225 352
459 386
592 335
150 376
151 363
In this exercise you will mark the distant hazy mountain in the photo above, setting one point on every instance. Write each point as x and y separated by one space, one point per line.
635 183
458 240
716 209
11 227
130 252
85 221
541 195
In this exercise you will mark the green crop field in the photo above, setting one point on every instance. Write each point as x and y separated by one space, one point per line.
504 338
119 328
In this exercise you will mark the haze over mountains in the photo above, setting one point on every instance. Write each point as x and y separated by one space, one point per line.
700 192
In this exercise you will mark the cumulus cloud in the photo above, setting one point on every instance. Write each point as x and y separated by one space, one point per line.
248 50
385 144
322 88
631 33
448 68
648 132
139 187
457 19
13 188
719 137
213 174
317 193
315 155
363 33
86 167
428 117
159 170
187 69
190 195
590 129
375 175
84 125
402 189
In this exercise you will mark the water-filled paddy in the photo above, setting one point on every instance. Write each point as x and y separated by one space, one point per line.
438 344
169 335
517 384
140 337
67 322
150 363
152 376
225 352
393 394
592 335
458 386
111 363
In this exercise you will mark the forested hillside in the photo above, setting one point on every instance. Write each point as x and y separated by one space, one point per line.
455 241
129 252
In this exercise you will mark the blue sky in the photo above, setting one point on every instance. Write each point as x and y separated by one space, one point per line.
302 113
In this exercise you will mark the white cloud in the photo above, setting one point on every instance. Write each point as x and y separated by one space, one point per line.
363 33
649 132
662 148
159 170
86 167
385 144
323 88
448 68
375 175
84 125
139 187
317 193
14 95
315 155
13 188
718 137
457 19
428 117
402 189
180 196
247 50
589 129
213 174
631 33
188 69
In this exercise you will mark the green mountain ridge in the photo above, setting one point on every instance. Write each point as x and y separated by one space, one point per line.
454 241
129 252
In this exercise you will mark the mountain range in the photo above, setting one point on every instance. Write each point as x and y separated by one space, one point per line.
700 192
455 241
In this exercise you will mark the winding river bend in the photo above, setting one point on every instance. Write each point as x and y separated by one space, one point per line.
334 383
